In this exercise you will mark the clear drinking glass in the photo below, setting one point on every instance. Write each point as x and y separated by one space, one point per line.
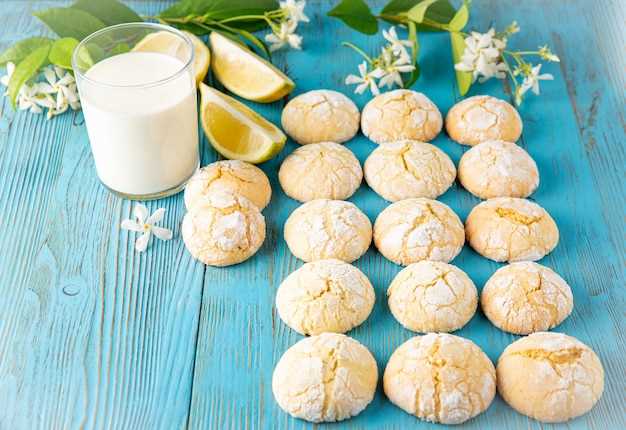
140 108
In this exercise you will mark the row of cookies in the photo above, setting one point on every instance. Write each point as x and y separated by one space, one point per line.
439 377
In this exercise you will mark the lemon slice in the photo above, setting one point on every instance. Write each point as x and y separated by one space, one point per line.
235 130
168 43
245 73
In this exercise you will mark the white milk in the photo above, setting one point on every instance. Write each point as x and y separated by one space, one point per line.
144 139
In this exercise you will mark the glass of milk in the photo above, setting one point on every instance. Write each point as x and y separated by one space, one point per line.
140 109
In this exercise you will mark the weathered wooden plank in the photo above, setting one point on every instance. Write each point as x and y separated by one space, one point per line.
241 336
92 334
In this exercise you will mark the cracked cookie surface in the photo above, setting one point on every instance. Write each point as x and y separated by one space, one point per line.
320 116
498 169
401 114
407 168
325 378
511 229
431 296
323 229
550 377
526 297
324 170
481 118
233 176
325 296
413 230
223 229
440 378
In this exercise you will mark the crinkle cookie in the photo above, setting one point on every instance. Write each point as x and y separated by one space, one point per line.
498 169
526 297
325 378
223 229
511 229
413 230
320 116
550 377
431 296
233 176
481 118
322 229
325 296
324 170
401 114
408 168
440 378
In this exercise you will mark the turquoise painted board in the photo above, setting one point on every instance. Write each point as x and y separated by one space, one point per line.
95 336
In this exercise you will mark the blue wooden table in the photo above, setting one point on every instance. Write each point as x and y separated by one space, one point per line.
96 336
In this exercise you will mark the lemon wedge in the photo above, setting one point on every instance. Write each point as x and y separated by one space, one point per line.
245 73
235 130
167 43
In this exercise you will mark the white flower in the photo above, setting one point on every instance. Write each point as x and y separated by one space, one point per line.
531 80
366 79
63 84
481 56
6 78
285 36
546 54
398 47
295 10
146 224
393 65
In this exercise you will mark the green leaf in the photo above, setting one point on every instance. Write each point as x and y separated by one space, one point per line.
222 9
120 48
26 69
110 12
463 79
440 11
414 52
68 22
459 21
21 49
356 14
418 12
61 52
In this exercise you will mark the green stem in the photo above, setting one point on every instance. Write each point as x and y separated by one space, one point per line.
435 24
359 50
400 19
244 18
510 71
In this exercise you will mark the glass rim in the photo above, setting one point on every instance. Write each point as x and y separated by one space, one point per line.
150 25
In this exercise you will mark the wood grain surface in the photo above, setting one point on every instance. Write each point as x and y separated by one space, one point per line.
96 336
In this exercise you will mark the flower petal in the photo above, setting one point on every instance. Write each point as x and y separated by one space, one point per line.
157 216
131 225
162 233
142 243
141 213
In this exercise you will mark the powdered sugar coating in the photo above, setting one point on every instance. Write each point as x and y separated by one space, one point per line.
408 168
325 296
223 229
401 114
320 116
431 296
325 378
511 229
233 176
440 378
526 297
413 230
322 229
550 377
324 170
481 118
498 169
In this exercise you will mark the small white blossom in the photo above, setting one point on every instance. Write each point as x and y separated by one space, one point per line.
366 79
146 225
482 56
546 54
398 47
295 10
393 65
531 80
285 36
6 78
